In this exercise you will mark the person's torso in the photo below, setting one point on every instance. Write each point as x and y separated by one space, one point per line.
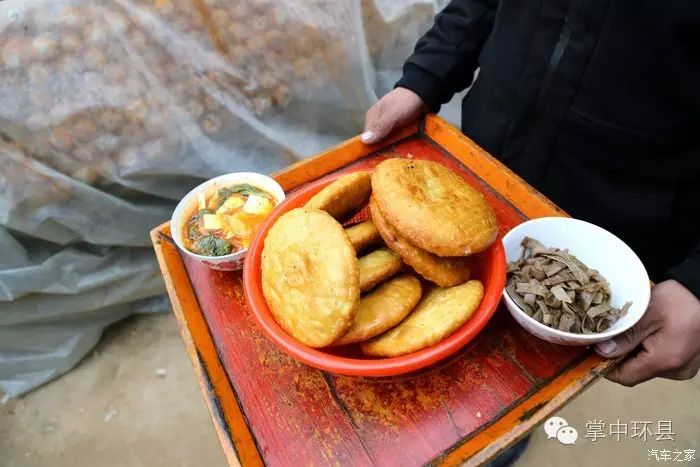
596 103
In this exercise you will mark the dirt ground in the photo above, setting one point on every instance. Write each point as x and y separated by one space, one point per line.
134 402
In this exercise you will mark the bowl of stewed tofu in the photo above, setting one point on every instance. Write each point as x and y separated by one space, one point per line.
215 222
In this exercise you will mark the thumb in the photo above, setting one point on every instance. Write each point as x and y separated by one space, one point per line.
378 123
634 370
628 340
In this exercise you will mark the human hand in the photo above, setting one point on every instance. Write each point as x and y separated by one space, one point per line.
668 335
397 108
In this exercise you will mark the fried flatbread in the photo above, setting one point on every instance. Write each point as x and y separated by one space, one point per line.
378 266
383 308
434 207
310 276
444 272
440 313
343 197
363 235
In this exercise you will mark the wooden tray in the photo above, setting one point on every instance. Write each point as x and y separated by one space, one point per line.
269 409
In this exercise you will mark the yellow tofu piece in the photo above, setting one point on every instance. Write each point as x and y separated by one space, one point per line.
212 222
237 227
233 202
257 205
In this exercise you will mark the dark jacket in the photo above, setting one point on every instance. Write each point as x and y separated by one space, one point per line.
595 103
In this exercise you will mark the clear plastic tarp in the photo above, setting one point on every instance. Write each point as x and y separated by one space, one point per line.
110 111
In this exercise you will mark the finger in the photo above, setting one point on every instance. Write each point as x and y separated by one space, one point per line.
628 340
680 375
378 123
688 371
636 369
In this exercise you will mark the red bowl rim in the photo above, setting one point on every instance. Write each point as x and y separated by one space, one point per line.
493 288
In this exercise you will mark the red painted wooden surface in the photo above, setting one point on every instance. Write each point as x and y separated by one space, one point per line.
302 416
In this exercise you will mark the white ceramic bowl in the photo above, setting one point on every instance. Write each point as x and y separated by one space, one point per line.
188 204
596 248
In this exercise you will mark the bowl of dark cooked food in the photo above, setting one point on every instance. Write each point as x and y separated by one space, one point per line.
570 282
215 223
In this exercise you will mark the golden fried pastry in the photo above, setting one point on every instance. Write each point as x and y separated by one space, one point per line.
363 235
383 308
343 197
378 266
440 313
434 207
444 272
310 276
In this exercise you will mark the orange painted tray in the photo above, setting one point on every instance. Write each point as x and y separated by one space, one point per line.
269 409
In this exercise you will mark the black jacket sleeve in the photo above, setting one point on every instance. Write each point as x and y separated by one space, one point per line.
688 272
446 57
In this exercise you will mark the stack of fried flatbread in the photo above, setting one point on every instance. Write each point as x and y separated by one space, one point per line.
327 285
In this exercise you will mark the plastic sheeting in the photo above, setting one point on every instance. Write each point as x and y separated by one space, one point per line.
110 111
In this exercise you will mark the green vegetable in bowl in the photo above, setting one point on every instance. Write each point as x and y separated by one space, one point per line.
193 224
242 189
211 245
